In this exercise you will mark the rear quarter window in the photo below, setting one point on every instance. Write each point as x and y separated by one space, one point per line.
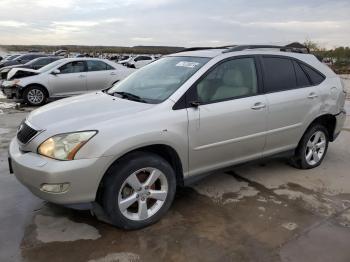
315 77
302 78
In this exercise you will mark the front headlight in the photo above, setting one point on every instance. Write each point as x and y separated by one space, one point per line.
65 146
15 82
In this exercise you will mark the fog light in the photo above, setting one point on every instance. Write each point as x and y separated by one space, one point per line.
55 188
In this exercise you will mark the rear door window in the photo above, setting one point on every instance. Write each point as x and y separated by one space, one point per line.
315 77
42 61
73 67
278 74
98 66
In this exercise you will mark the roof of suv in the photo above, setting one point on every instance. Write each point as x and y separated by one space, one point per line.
255 50
210 53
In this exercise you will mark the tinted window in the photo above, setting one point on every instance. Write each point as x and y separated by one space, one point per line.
42 61
96 65
231 79
52 59
278 74
302 78
73 67
143 58
23 59
315 77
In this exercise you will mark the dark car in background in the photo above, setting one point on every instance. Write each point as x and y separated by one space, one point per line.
36 63
9 57
20 60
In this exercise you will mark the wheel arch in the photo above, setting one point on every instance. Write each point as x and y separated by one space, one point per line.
21 91
165 151
329 121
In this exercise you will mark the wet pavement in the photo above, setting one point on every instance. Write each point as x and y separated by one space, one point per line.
265 211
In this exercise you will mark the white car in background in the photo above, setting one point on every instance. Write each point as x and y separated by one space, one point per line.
140 61
125 60
63 78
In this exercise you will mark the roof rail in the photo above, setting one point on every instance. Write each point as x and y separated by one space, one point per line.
201 48
280 48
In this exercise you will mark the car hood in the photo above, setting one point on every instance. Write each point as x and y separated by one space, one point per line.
84 112
17 73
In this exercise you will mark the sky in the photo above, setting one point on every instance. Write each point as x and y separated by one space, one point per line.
174 22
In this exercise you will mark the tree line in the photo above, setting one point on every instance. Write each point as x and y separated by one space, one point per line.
94 49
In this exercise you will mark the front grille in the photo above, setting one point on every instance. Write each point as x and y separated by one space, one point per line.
25 133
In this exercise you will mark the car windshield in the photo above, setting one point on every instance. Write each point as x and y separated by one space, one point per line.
33 61
49 66
160 79
11 57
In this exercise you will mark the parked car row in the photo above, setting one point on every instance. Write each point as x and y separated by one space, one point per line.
36 64
61 78
21 59
137 61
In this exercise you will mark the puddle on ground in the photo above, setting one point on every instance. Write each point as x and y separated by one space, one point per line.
61 229
224 188
120 257
323 206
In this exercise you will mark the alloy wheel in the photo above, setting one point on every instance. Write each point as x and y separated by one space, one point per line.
35 96
315 148
143 194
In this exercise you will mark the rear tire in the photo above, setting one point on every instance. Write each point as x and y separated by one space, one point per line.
312 148
35 96
138 190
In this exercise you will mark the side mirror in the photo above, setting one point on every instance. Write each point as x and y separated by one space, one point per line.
56 72
195 104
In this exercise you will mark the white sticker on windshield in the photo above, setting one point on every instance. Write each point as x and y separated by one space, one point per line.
187 64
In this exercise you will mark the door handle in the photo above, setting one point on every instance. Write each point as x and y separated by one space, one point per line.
81 76
258 106
312 95
113 74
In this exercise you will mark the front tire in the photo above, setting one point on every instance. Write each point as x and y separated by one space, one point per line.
312 148
35 96
139 190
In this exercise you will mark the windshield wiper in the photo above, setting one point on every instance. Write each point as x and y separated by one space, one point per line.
130 96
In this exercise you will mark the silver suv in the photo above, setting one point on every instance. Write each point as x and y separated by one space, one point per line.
185 115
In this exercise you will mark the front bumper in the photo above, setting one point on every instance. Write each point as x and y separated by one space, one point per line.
11 90
340 121
83 175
